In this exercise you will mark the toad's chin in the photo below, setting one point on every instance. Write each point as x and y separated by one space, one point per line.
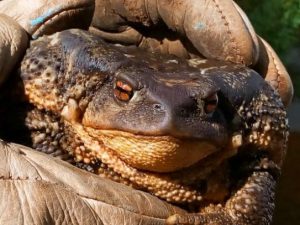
101 149
159 154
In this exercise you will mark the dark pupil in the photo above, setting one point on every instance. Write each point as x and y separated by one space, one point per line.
123 91
211 103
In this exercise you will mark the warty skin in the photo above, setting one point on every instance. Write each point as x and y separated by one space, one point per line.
217 132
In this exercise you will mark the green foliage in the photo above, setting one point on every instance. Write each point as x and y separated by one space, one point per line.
278 21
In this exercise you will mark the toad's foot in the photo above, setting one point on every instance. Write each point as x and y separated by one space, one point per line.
252 204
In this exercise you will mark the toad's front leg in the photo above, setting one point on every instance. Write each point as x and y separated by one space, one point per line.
251 204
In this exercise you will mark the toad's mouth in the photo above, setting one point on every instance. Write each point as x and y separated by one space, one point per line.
161 154
149 163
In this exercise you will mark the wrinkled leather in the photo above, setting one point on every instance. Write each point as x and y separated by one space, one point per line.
269 65
275 73
37 17
13 43
203 22
39 189
216 29
40 17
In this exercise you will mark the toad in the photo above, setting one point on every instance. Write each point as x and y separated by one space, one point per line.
208 136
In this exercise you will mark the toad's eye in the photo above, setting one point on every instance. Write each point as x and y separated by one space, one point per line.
123 91
211 103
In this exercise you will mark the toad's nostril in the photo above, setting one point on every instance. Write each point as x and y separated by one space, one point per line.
210 103
157 106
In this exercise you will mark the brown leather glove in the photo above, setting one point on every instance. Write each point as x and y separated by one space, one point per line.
13 43
209 28
38 189
36 17
40 17
216 29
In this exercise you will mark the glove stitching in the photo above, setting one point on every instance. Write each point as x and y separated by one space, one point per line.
10 178
278 74
226 24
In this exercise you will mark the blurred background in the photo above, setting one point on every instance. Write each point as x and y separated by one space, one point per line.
278 22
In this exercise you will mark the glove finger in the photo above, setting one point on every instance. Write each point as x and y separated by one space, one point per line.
100 199
13 43
40 17
217 29
270 66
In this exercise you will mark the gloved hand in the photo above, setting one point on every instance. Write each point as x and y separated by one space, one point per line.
214 29
211 29
38 189
43 190
21 20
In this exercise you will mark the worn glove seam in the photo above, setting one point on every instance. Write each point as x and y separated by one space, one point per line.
278 74
4 178
80 195
226 24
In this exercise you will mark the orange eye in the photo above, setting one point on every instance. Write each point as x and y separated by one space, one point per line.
211 103
123 91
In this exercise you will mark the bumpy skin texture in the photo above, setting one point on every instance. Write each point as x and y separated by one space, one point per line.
233 184
213 29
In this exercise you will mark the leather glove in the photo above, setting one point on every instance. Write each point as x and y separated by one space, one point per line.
22 19
38 189
214 29
48 191
211 29
13 43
